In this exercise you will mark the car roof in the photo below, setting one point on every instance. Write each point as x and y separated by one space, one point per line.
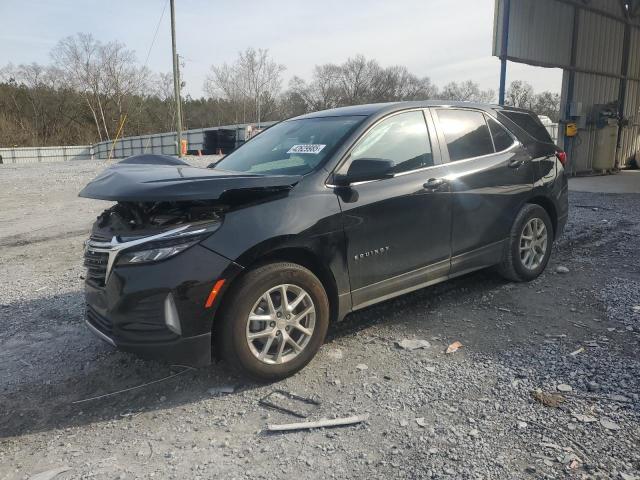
383 108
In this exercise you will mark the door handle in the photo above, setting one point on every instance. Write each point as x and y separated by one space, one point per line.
516 162
434 184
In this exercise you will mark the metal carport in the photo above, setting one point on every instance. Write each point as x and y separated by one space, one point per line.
597 44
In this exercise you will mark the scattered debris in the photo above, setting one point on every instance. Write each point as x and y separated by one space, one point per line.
288 402
453 347
608 424
562 269
636 308
564 388
362 366
222 390
335 354
335 422
547 399
584 418
421 422
628 476
185 368
415 344
50 474
619 398
430 368
576 352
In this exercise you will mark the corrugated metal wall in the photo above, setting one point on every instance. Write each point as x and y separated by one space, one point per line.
159 144
630 141
162 143
590 89
599 43
552 43
46 154
540 33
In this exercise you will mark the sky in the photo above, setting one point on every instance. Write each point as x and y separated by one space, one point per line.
445 40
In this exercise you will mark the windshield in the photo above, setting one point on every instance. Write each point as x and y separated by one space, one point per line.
294 147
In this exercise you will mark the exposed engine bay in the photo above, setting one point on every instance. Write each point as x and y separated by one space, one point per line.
156 193
141 218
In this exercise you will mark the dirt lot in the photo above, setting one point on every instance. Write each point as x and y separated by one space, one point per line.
469 414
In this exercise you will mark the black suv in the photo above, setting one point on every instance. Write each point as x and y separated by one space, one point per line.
251 259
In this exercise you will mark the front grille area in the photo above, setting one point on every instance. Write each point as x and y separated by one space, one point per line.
96 263
98 321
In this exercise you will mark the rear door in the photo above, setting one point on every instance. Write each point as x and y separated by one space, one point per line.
490 176
397 229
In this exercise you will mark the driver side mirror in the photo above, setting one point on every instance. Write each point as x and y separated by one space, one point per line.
365 169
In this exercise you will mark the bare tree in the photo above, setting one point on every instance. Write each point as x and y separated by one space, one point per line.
547 103
467 91
253 78
104 74
322 92
520 94
356 81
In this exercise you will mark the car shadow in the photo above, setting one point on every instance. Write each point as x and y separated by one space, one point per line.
55 374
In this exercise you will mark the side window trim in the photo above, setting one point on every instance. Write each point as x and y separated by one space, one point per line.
343 164
493 142
514 139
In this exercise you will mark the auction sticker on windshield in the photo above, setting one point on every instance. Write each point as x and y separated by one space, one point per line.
308 148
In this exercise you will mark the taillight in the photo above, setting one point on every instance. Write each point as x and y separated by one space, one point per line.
562 156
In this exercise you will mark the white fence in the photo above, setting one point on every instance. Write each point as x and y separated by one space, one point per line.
159 144
46 154
164 143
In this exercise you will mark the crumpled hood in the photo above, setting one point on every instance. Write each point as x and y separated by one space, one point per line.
171 183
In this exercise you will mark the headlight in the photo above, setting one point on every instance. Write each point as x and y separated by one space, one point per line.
154 254
166 247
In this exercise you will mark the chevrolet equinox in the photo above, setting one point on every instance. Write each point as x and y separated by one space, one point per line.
251 259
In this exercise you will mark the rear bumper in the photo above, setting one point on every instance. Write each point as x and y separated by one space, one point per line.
158 310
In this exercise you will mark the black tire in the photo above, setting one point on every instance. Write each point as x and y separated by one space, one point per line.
231 340
512 267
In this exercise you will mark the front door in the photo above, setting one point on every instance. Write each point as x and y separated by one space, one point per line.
397 229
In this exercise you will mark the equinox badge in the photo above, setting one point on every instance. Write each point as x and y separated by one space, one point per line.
371 253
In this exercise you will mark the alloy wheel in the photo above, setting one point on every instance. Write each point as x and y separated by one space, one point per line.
533 243
280 324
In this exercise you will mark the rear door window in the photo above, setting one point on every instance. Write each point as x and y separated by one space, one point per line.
501 139
466 133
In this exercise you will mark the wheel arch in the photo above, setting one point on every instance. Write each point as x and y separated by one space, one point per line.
306 258
549 207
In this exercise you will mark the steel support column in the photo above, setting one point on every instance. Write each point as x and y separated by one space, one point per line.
504 51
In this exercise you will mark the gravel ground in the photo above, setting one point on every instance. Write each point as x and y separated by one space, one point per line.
470 414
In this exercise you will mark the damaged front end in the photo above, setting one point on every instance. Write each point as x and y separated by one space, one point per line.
137 233
148 277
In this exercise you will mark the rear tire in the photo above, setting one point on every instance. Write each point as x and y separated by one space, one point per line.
255 322
528 248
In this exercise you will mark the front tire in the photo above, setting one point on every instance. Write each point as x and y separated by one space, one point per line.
273 322
528 247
